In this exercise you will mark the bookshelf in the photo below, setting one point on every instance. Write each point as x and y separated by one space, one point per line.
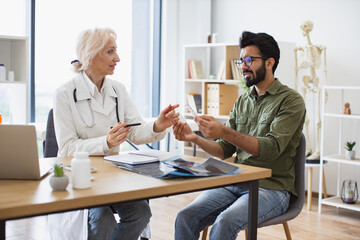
214 58
340 95
15 56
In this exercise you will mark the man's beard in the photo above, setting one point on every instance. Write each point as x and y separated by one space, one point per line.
260 76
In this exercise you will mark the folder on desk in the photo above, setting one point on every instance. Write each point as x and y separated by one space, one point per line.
179 167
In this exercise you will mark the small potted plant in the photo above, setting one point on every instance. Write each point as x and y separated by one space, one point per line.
59 180
350 154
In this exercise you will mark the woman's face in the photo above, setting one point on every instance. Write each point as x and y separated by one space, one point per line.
104 62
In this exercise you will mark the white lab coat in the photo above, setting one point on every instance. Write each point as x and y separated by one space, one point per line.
72 135
71 132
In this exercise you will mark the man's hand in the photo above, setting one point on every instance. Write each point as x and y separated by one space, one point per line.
210 127
183 132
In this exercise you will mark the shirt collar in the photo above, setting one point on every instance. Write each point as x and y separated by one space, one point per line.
91 86
107 87
272 90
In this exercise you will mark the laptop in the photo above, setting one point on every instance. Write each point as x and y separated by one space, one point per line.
19 157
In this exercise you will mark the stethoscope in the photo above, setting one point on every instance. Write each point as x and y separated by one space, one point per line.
92 113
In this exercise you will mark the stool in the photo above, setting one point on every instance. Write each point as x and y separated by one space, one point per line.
309 196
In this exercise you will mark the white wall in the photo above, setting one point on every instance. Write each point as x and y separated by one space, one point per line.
336 26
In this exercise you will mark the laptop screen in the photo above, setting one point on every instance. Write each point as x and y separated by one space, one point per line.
19 152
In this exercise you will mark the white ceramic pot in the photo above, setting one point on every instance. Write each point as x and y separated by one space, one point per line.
59 183
350 155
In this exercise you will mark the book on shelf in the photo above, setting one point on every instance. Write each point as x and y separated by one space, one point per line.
190 69
198 102
195 69
221 98
235 70
191 101
195 102
221 71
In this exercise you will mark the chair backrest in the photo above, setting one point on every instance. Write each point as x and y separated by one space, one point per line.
296 204
50 146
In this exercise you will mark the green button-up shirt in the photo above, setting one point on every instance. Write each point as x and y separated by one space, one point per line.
276 119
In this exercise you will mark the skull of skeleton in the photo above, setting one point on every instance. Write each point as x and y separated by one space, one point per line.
306 27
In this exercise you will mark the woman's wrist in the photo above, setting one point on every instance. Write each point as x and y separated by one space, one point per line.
156 128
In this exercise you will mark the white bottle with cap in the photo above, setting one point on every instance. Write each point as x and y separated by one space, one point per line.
2 72
81 170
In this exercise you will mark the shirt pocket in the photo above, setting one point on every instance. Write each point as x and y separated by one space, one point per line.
264 124
242 124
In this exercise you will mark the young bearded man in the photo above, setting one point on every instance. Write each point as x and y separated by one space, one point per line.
264 130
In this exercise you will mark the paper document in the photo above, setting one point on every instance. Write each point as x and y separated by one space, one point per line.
132 158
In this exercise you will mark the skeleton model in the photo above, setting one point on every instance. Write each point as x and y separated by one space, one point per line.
309 57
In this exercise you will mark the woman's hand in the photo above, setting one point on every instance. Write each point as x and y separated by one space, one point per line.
117 135
166 118
183 132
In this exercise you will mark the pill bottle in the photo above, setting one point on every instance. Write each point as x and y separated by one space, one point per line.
2 72
81 170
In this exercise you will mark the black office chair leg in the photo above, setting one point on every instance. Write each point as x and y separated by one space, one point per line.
131 144
194 150
168 143
149 146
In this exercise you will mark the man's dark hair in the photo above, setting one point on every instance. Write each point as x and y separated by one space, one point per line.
267 45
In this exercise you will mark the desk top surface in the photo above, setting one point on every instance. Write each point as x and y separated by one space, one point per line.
21 198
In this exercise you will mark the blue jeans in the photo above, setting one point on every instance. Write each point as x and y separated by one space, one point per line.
134 216
227 210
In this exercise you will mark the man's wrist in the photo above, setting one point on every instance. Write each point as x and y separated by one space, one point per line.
225 131
196 139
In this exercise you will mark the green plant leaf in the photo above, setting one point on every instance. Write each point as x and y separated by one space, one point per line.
349 145
58 170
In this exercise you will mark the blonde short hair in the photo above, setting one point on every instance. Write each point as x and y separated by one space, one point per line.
91 42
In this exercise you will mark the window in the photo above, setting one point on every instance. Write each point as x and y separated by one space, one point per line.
57 26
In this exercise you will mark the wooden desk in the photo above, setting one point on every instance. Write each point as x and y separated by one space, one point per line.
19 199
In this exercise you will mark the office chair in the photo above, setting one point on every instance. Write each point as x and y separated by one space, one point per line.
50 149
296 204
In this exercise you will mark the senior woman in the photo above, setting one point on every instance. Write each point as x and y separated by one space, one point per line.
91 113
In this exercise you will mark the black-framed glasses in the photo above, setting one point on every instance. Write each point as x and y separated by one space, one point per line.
247 60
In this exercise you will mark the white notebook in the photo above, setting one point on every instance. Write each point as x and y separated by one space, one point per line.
132 158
